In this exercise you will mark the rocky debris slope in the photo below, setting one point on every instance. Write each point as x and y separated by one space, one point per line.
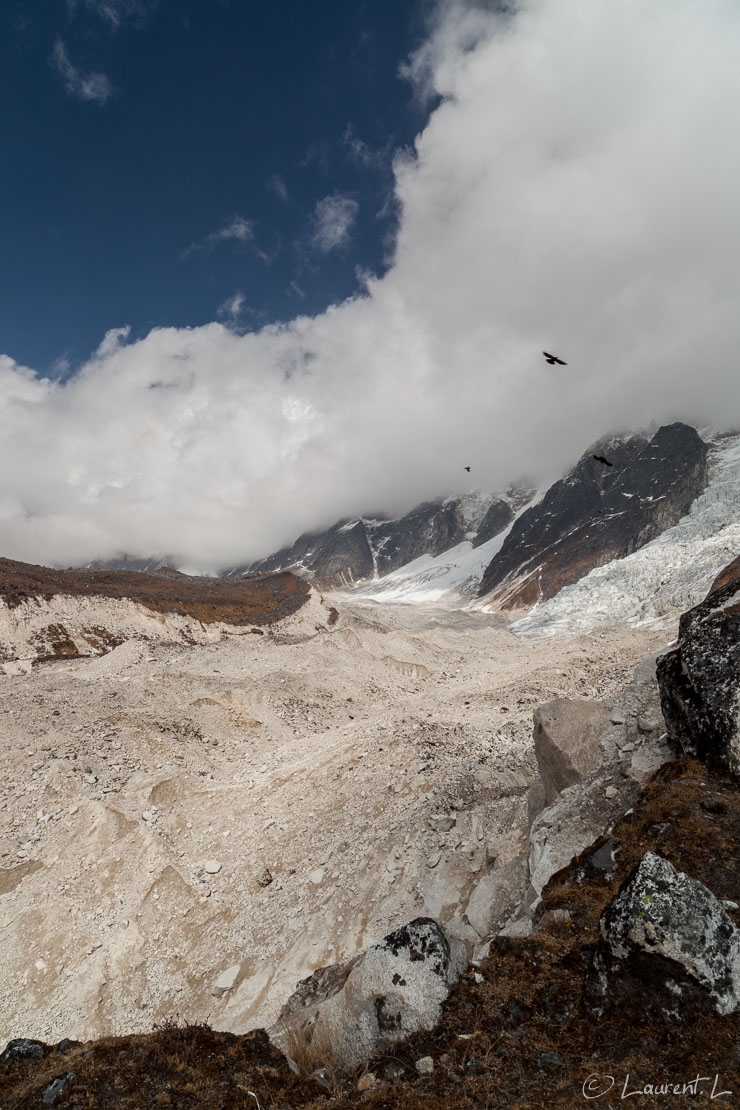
651 901
596 514
48 614
516 1029
700 680
378 770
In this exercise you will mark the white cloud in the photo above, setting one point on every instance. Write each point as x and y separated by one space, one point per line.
236 230
574 191
93 87
232 307
333 221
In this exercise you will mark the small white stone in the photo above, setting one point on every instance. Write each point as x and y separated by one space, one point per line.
425 1066
610 791
316 877
212 866
227 978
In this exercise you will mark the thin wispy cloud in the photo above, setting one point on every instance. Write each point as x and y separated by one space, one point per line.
317 154
231 309
115 12
94 88
236 230
363 155
277 185
333 222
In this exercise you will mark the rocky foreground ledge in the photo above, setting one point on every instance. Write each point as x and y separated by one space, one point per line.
590 999
628 985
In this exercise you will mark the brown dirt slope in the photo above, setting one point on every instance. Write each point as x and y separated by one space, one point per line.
514 1033
260 600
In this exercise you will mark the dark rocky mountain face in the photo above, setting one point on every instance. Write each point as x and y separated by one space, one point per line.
334 558
429 529
598 513
499 516
353 550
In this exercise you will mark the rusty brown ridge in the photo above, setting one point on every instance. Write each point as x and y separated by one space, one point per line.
731 573
259 601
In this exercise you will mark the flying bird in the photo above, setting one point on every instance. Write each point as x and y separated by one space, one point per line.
467 468
552 359
601 459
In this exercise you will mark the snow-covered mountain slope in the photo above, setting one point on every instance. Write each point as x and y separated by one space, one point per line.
670 574
450 579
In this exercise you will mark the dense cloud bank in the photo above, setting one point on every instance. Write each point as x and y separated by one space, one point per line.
574 190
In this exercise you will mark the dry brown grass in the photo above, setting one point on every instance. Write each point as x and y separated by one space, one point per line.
308 1046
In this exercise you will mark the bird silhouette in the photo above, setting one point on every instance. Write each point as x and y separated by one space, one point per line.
601 459
467 468
552 359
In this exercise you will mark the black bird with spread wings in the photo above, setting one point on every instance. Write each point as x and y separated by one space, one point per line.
467 468
601 459
552 359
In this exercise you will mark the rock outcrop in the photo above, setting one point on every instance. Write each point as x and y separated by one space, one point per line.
596 514
669 947
498 516
342 1014
700 681
566 741
592 760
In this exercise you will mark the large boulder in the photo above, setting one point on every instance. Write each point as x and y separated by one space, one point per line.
392 990
566 742
669 947
700 681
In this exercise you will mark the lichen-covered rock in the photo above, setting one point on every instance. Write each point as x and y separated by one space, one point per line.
566 741
700 680
668 947
22 1048
394 989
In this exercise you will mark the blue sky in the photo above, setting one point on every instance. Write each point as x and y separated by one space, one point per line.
254 281
178 161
